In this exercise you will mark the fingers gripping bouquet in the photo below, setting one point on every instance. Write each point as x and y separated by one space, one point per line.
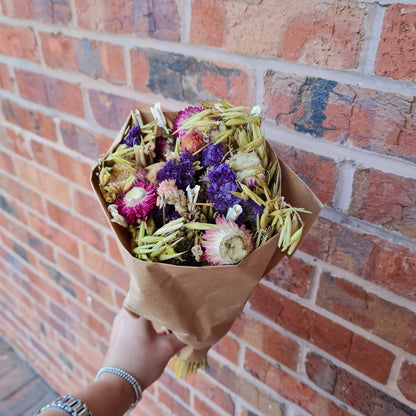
202 209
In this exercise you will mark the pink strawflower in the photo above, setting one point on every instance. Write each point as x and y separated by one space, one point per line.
227 244
138 201
181 117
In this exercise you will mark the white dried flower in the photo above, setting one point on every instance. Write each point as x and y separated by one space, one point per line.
116 217
234 212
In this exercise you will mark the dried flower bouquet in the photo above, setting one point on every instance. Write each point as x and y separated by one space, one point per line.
201 189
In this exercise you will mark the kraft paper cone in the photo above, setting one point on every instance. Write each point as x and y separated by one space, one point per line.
199 304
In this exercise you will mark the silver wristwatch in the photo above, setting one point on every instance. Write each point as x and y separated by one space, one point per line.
69 404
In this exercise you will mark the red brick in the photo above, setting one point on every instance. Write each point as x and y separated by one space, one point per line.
105 313
173 385
185 78
76 226
87 206
169 401
19 42
339 245
395 53
5 80
373 120
69 167
59 50
277 346
7 162
53 234
54 11
31 120
203 408
15 143
211 391
323 34
318 172
242 387
407 380
384 319
289 387
112 63
150 19
384 199
86 142
51 92
113 250
13 208
301 321
45 183
393 267
292 274
104 268
228 348
351 390
110 110
100 287
19 191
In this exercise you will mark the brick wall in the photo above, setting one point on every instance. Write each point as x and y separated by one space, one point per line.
329 333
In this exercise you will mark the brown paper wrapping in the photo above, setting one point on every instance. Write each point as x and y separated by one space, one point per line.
199 304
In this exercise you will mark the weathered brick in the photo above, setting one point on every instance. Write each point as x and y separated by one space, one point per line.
42 181
76 226
59 50
407 380
93 58
87 206
18 190
278 346
292 274
106 269
326 334
5 80
157 19
53 234
69 167
243 388
174 406
53 11
12 208
204 385
318 172
51 92
185 78
289 387
393 267
385 199
19 42
84 141
7 162
110 110
203 408
387 320
173 385
378 121
395 54
15 142
100 287
323 34
351 390
380 261
30 120
228 348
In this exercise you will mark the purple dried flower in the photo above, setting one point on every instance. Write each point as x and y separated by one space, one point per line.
211 155
182 173
134 137
222 181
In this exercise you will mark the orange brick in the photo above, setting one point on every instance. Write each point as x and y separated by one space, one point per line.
395 53
30 120
51 92
59 50
76 226
19 42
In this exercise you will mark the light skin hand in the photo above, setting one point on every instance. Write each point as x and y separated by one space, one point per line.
135 347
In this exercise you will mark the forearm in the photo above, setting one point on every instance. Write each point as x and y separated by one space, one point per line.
108 396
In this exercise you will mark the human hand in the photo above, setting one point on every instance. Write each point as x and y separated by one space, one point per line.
137 348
